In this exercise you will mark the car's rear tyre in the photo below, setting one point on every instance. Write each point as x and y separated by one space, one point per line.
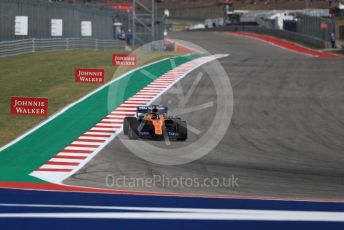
182 130
133 129
126 122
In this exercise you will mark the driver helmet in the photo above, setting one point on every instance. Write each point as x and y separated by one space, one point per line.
155 113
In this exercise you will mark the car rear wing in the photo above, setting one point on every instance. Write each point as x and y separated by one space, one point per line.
147 109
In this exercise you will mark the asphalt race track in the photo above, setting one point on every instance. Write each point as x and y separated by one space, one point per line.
286 137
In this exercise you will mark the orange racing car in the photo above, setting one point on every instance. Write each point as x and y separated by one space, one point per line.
152 122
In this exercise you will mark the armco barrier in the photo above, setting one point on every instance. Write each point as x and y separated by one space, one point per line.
297 37
10 48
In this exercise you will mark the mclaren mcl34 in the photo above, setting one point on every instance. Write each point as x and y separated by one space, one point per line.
152 122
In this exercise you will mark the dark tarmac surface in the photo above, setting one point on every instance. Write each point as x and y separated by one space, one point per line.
285 140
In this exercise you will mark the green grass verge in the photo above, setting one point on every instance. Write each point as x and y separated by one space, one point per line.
50 75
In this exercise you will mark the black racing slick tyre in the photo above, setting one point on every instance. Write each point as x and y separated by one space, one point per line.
182 130
126 122
133 129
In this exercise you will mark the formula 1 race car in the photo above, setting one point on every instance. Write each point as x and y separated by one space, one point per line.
152 122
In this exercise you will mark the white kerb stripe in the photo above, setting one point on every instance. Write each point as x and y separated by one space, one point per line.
86 143
81 148
73 154
110 125
65 160
57 167
102 129
120 112
113 118
93 138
